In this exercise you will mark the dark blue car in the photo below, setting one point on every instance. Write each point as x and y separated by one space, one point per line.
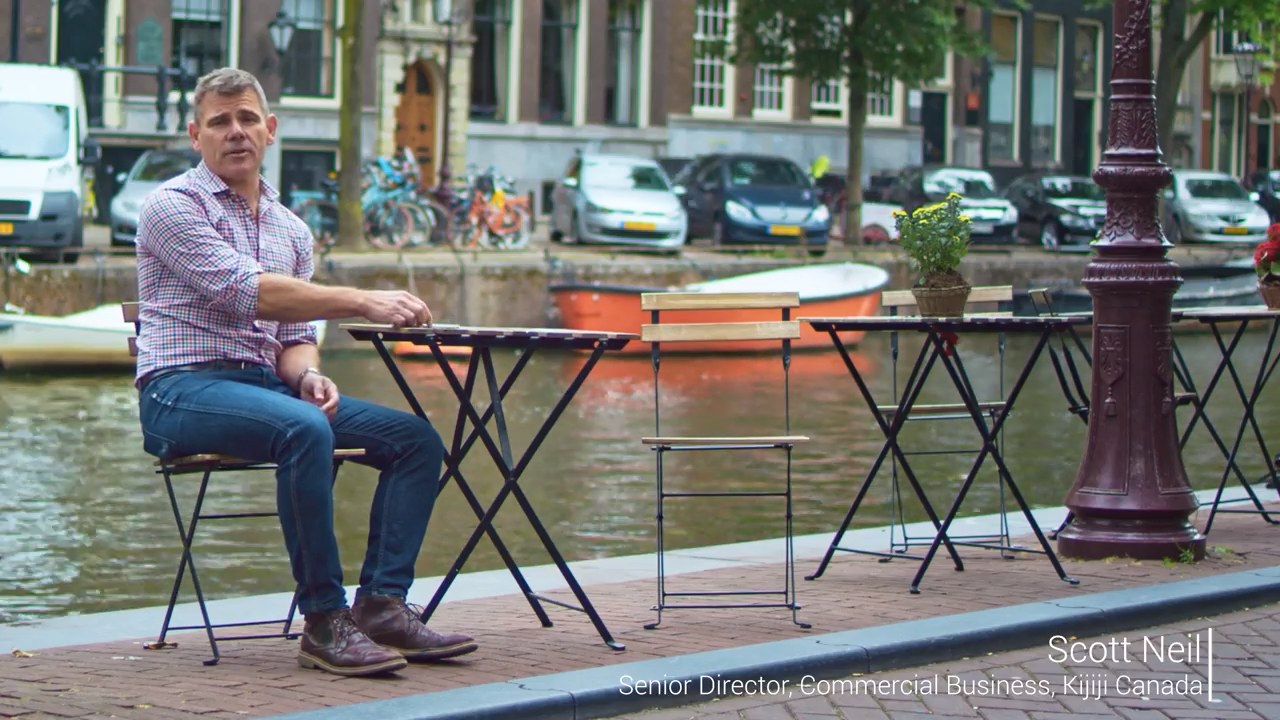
753 199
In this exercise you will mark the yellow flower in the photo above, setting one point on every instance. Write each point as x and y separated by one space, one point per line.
899 213
953 196
965 218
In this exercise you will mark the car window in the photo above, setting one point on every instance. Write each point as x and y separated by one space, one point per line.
710 173
766 172
34 130
1215 189
1060 188
623 176
162 166
968 183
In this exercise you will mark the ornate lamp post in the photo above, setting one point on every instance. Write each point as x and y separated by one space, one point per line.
1246 57
1131 496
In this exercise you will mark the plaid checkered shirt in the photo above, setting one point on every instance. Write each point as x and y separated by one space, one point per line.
200 251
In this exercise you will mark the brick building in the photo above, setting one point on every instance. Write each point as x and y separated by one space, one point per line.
1229 139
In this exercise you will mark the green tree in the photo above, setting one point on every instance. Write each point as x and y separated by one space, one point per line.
351 36
865 43
1184 25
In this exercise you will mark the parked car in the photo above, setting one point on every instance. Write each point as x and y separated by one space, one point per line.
616 199
1058 209
994 217
152 169
1266 183
749 199
1204 206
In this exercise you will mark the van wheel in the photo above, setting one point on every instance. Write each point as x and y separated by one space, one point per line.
77 241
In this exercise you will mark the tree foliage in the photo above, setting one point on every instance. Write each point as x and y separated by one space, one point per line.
1184 25
864 43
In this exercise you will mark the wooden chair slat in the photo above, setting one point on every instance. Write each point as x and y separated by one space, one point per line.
728 440
718 301
693 332
981 294
220 460
130 311
940 408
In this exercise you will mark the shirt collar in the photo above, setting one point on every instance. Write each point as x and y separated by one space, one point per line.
206 179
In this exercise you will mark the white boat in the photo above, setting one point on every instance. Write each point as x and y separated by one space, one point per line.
96 338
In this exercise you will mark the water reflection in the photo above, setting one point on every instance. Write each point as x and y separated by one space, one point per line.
85 525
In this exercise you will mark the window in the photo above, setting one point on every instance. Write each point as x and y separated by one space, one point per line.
1224 123
160 165
969 183
1044 93
1264 132
1224 39
880 102
710 71
489 58
766 172
1086 68
304 170
1002 90
199 36
824 99
770 90
1215 189
308 66
623 176
622 85
558 69
34 130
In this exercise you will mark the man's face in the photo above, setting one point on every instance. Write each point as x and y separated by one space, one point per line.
231 134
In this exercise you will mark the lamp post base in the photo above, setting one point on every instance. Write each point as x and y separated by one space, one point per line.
1096 538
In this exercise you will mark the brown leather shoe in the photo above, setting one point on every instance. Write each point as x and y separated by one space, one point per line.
332 642
390 622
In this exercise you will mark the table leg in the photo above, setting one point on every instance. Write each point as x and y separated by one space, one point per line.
453 458
910 392
961 382
511 476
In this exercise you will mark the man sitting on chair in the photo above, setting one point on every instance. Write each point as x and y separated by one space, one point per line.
228 364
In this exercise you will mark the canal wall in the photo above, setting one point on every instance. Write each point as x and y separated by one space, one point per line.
511 289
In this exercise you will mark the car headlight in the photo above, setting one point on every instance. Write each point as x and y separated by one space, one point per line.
596 209
820 214
1010 215
737 210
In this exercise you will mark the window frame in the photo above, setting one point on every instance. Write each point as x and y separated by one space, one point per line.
1055 157
728 78
502 111
334 100
1015 133
639 39
571 103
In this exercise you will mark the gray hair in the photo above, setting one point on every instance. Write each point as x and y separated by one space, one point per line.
228 81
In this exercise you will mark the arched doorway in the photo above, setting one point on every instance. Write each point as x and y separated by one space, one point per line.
416 120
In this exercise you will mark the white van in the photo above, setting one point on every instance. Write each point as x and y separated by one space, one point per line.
46 157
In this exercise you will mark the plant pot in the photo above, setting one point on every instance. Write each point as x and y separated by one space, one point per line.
1270 290
941 302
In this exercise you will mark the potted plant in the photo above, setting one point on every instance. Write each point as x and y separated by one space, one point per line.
936 239
1265 257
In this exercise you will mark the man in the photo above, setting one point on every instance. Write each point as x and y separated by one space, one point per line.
227 363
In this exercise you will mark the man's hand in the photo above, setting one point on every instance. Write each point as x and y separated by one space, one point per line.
395 307
319 391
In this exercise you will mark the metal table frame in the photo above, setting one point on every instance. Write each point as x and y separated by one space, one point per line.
1214 317
937 347
482 341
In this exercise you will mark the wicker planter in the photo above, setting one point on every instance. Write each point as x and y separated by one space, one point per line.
1270 294
941 302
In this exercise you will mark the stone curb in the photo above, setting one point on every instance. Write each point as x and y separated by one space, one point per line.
617 689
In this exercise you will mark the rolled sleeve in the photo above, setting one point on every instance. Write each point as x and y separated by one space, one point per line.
303 269
175 228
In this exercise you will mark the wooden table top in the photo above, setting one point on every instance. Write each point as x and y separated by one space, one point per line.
977 322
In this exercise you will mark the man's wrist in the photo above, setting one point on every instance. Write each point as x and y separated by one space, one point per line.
306 371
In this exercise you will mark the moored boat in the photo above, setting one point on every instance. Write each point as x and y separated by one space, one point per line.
826 290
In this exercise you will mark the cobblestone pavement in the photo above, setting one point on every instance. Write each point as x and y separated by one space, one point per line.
1162 672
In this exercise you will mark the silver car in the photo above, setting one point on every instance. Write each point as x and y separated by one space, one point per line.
151 170
1202 206
617 200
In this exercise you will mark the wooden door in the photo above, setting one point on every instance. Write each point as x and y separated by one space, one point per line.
416 122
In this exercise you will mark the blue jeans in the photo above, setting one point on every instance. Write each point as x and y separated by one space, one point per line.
251 414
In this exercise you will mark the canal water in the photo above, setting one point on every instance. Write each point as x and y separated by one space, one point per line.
85 525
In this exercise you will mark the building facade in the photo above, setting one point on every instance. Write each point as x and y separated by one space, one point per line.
130 114
1237 131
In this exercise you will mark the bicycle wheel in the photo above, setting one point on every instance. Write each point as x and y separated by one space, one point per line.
390 226
321 217
515 229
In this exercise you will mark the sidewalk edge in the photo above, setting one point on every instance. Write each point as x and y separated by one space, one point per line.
683 679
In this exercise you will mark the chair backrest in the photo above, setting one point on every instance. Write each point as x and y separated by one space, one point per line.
784 329
130 311
895 300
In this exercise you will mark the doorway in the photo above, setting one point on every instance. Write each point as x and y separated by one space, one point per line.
1082 134
416 121
81 39
933 127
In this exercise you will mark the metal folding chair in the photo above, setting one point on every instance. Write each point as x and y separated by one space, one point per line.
206 465
757 333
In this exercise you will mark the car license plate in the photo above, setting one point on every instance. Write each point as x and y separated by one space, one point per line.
639 226
6 228
1235 231
982 228
792 230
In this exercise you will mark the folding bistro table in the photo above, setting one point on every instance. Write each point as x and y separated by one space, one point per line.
1215 318
482 341
938 346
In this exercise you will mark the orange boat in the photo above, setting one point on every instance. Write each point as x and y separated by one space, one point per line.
826 290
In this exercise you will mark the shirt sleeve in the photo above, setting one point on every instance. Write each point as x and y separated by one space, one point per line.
176 229
303 269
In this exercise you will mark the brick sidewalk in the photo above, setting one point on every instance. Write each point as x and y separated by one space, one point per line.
1133 684
261 678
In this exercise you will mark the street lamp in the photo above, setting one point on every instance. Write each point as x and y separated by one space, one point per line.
446 14
1246 57
1131 497
281 29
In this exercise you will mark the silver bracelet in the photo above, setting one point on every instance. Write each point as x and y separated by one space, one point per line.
306 372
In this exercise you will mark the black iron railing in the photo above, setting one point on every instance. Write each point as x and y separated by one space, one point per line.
166 78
